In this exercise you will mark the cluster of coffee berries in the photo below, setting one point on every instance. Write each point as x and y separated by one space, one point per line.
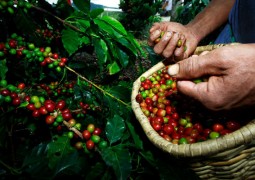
175 117
56 114
57 89
10 5
16 46
48 35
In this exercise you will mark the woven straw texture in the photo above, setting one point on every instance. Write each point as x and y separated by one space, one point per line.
231 156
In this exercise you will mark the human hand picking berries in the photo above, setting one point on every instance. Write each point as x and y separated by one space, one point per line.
230 71
171 39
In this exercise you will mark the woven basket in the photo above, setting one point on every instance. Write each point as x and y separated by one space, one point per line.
231 156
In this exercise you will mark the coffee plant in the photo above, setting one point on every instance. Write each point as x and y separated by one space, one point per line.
139 15
65 85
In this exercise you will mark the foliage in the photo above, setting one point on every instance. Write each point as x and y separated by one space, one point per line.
190 8
138 15
74 59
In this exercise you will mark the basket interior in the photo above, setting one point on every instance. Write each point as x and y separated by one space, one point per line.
239 139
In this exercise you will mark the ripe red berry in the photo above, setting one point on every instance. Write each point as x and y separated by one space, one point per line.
49 119
60 104
21 86
16 101
90 144
31 107
168 129
50 107
217 127
233 125
43 110
86 134
156 126
97 131
36 113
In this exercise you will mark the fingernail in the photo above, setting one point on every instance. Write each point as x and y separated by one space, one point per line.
173 69
167 35
182 37
156 33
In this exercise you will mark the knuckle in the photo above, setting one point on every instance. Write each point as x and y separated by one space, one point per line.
167 53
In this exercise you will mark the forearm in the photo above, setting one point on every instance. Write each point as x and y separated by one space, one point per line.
211 18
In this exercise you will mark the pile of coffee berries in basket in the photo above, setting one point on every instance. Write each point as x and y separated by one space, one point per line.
176 117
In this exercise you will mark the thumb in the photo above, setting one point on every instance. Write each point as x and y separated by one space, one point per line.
194 67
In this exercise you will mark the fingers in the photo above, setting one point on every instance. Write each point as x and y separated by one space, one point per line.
154 27
170 45
154 35
167 42
164 41
180 50
197 66
205 92
197 91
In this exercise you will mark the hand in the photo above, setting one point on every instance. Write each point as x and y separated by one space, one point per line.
231 71
167 46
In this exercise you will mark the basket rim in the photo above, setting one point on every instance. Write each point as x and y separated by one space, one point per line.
240 137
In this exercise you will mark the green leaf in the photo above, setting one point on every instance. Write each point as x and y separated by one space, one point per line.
113 68
85 40
111 104
3 68
128 45
23 104
58 148
115 128
123 57
206 2
35 162
149 157
120 159
71 40
101 51
96 12
96 171
83 5
136 138
115 24
120 92
136 44
70 162
104 26
84 24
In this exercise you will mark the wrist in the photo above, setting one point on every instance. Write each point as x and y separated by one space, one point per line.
195 32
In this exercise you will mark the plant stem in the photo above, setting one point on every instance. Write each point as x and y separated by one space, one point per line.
96 86
56 17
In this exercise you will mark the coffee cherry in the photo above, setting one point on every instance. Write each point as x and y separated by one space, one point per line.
233 125
91 128
49 119
78 145
90 145
16 101
86 134
214 135
179 43
95 138
70 134
102 144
